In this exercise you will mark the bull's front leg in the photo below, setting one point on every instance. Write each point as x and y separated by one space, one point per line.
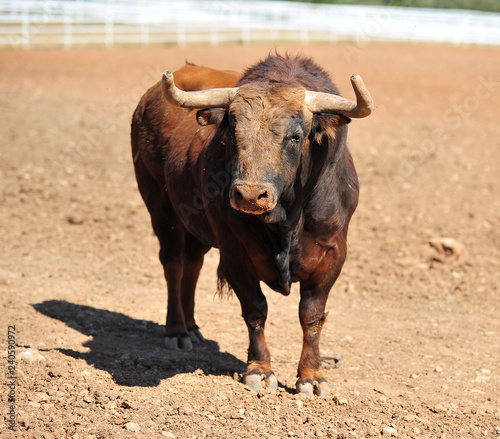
259 374
259 371
312 317
313 296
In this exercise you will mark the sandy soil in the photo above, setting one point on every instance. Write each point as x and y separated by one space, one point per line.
418 332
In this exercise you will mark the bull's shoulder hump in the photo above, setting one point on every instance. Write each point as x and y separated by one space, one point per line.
190 78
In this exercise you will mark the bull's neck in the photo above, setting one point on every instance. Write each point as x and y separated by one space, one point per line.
283 234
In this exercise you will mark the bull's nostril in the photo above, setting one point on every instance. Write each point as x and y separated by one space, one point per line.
262 195
237 196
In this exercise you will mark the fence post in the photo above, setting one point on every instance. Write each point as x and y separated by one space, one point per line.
248 21
214 35
181 34
145 34
25 27
304 35
109 28
68 31
245 35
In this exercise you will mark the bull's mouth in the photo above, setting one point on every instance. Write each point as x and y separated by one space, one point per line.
276 215
250 209
255 212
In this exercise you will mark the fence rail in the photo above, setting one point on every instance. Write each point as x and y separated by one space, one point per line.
51 23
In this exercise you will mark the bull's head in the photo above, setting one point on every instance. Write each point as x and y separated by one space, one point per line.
269 124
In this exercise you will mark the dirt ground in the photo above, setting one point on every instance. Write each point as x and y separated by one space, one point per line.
418 332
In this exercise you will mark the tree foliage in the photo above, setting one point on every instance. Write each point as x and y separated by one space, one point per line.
478 5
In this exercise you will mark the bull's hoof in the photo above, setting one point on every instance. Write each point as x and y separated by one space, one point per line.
195 335
322 389
310 388
176 342
305 387
259 381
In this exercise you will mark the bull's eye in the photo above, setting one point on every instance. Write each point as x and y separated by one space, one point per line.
295 140
232 127
233 121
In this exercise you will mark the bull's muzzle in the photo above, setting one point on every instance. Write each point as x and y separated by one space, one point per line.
253 198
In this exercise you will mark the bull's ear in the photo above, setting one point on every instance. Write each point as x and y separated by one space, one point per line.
323 122
209 116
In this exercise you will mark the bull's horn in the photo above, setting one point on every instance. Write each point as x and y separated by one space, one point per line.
318 102
210 98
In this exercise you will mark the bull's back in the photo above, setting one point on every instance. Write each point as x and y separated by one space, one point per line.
190 78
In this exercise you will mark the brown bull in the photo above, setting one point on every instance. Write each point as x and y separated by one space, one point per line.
256 166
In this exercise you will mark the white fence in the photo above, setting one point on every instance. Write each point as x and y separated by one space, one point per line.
51 23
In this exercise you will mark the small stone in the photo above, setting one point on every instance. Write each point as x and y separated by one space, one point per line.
417 431
117 420
338 400
31 356
186 410
211 417
240 414
76 221
168 434
382 398
390 431
448 249
132 426
439 408
40 397
127 404
88 399
438 369
300 404
486 371
350 288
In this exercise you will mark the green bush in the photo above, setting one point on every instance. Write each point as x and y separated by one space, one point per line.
478 5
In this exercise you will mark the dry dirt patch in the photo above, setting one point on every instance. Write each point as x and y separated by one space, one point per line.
80 280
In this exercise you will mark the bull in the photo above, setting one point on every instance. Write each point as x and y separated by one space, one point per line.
257 166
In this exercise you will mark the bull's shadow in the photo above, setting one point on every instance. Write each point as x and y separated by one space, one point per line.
132 350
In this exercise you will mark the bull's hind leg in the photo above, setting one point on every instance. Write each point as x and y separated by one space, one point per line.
194 252
171 236
181 255
181 258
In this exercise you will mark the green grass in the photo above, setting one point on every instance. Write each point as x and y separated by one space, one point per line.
478 5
